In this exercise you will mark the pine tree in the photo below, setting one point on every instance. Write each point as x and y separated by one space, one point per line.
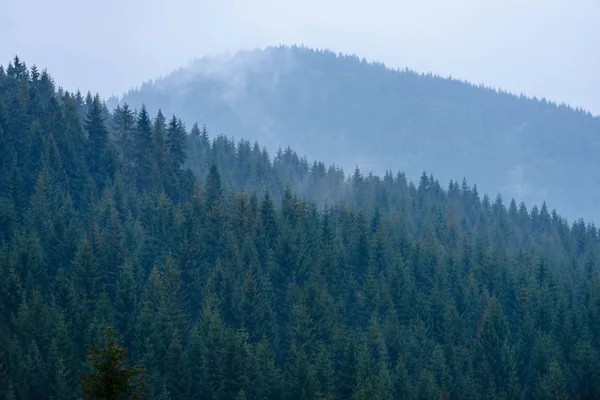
99 154
268 229
585 375
267 379
162 169
234 364
34 374
174 302
496 355
213 232
61 388
194 362
124 126
175 368
195 131
551 386
212 342
402 389
17 70
126 302
111 254
301 375
110 378
143 151
176 143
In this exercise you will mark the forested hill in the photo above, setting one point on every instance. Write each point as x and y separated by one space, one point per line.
392 291
351 112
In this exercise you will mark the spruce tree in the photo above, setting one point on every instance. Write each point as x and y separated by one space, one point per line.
176 143
98 143
143 151
110 379
124 127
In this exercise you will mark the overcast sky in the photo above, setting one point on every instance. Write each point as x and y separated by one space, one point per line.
546 48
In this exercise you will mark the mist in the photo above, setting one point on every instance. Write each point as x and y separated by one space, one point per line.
540 48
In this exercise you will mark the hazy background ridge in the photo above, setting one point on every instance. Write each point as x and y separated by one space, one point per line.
344 110
543 48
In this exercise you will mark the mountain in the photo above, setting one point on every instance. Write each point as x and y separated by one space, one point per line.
354 113
224 273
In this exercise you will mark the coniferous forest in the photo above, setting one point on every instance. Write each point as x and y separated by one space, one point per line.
345 110
229 273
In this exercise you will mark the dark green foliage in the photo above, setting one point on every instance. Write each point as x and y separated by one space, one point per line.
176 137
3 376
262 278
124 132
143 153
110 379
101 154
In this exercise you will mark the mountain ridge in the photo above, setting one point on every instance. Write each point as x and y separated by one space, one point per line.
116 98
352 112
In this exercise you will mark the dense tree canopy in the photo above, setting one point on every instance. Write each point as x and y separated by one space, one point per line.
228 273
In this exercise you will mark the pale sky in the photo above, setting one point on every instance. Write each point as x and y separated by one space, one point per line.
544 48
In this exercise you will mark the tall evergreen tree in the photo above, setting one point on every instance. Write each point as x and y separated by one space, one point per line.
143 151
111 379
176 143
125 131
100 156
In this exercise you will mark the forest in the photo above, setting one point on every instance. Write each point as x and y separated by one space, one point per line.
231 273
346 110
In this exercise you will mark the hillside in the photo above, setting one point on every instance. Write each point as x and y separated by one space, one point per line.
354 113
230 282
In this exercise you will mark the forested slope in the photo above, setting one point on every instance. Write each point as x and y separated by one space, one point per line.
346 110
376 288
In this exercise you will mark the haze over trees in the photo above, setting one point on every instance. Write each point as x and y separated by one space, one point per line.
351 112
231 273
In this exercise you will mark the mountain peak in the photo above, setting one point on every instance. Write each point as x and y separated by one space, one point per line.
351 111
